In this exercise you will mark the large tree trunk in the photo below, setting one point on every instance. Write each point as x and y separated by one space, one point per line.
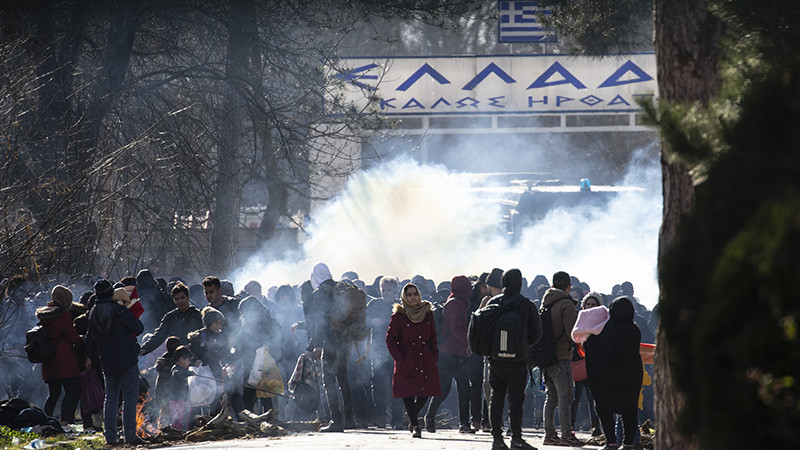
687 52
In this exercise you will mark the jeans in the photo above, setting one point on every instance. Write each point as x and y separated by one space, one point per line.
507 378
126 383
452 366
558 382
72 393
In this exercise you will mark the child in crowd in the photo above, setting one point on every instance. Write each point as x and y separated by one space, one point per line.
129 299
164 370
179 388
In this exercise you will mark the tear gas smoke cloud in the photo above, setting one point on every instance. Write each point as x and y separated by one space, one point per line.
402 218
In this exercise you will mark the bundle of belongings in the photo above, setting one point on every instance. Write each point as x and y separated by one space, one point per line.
18 414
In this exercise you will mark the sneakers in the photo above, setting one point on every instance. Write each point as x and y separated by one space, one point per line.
611 446
571 441
476 425
519 443
416 432
551 440
499 445
466 429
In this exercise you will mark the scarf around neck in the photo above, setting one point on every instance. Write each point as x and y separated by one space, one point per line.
416 314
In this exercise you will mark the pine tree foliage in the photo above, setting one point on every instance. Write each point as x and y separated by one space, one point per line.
728 308
603 26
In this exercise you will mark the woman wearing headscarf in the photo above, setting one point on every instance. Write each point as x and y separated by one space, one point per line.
61 372
614 369
411 340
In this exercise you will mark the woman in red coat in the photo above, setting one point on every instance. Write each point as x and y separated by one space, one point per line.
61 371
411 340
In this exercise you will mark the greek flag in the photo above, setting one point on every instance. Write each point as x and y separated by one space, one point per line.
519 23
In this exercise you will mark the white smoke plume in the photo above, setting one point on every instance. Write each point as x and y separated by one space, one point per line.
402 218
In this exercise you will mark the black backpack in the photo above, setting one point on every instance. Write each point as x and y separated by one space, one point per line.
38 346
510 334
499 332
543 353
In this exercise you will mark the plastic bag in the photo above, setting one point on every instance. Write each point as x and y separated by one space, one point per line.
265 375
92 392
202 389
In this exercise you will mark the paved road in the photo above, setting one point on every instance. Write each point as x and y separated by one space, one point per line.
378 439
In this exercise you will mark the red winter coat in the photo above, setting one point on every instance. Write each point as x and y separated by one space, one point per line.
58 323
413 347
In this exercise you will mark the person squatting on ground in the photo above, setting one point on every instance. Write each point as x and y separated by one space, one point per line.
614 368
558 376
510 377
454 353
112 331
411 340
334 347
62 371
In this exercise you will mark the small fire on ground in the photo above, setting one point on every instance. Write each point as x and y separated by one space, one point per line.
143 427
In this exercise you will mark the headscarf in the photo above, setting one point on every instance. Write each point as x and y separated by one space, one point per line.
319 274
61 296
415 314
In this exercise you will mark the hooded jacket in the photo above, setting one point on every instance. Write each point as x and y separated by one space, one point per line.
57 321
455 320
112 333
563 315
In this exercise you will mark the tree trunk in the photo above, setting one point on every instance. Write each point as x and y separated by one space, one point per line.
687 38
240 25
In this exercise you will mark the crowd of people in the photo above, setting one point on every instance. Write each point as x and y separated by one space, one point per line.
263 348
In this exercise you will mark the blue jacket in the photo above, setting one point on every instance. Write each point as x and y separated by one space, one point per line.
112 331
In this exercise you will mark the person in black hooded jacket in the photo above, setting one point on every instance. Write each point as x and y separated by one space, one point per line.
112 331
510 377
614 368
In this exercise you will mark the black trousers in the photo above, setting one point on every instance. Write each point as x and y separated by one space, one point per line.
72 393
413 406
475 363
629 423
507 378
335 355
